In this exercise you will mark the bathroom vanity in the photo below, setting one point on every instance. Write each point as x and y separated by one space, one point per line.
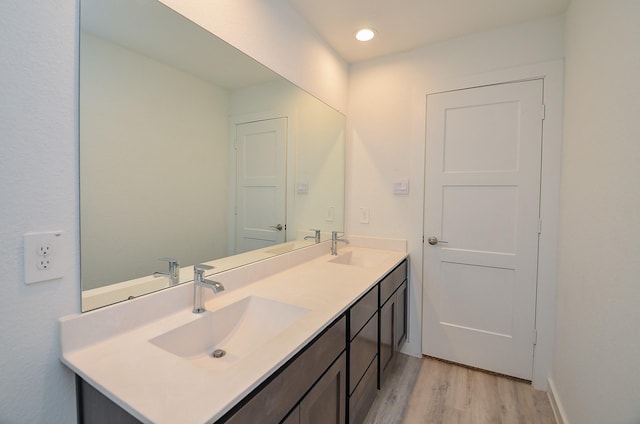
307 335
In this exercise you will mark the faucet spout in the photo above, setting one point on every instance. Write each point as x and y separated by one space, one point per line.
199 282
316 237
334 242
174 271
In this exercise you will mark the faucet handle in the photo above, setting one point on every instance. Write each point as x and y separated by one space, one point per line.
199 270
173 264
170 260
203 267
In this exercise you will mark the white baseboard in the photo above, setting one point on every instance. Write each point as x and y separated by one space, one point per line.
556 404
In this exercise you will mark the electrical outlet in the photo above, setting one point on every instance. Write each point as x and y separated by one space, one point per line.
43 256
44 250
43 264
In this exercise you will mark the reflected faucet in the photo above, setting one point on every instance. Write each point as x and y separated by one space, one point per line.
334 242
174 271
198 283
316 237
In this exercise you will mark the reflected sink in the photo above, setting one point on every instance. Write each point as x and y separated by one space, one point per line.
238 329
360 258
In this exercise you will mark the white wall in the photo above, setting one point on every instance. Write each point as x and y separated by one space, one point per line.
39 179
386 121
275 35
597 356
154 147
38 191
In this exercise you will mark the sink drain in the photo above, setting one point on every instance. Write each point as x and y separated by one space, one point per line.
218 353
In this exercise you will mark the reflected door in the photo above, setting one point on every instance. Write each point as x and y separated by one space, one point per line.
260 183
481 226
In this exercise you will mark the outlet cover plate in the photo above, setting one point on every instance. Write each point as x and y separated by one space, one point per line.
43 256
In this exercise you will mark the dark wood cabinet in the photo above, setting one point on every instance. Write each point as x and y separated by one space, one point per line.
363 355
96 408
401 319
393 317
326 402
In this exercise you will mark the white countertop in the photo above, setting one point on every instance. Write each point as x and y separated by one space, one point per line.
110 348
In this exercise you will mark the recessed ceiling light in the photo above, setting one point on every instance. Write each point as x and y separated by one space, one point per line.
365 34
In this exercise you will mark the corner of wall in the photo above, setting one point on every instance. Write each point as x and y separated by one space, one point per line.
556 404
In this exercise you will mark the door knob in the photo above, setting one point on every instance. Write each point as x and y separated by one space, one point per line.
277 227
433 240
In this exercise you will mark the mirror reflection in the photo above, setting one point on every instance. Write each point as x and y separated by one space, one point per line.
190 150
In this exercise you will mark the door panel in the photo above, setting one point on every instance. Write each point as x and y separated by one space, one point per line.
482 195
261 183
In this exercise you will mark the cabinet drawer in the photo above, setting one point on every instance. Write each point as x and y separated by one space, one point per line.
364 309
392 281
363 349
272 402
365 394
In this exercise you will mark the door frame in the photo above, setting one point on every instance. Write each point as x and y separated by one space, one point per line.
552 74
234 120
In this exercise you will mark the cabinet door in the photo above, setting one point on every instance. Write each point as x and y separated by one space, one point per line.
362 352
387 330
326 401
401 316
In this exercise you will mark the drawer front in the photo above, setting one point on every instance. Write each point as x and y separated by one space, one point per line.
365 394
275 400
364 309
363 349
392 281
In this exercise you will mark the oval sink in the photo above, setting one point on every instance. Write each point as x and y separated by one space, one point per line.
360 258
238 330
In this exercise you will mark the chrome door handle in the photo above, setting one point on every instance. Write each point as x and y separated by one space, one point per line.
433 240
277 227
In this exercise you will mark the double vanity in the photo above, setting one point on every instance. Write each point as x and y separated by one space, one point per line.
303 335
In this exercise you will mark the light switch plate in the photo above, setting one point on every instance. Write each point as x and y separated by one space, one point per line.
364 215
401 186
43 256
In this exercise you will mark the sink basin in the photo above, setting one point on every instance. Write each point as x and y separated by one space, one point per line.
238 329
360 258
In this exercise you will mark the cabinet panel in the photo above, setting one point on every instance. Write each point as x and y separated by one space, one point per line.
326 402
362 310
393 327
364 395
96 408
362 350
391 282
387 329
400 331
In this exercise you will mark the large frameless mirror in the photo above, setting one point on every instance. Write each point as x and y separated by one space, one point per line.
191 150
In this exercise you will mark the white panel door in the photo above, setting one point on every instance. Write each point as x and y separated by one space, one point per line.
482 198
260 183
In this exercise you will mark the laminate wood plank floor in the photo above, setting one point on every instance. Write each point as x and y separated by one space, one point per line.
429 391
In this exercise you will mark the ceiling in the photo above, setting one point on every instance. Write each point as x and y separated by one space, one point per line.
406 24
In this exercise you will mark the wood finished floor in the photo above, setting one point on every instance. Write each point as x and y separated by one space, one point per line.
428 391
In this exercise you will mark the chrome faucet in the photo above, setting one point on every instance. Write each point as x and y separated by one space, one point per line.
334 242
198 283
316 237
174 271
